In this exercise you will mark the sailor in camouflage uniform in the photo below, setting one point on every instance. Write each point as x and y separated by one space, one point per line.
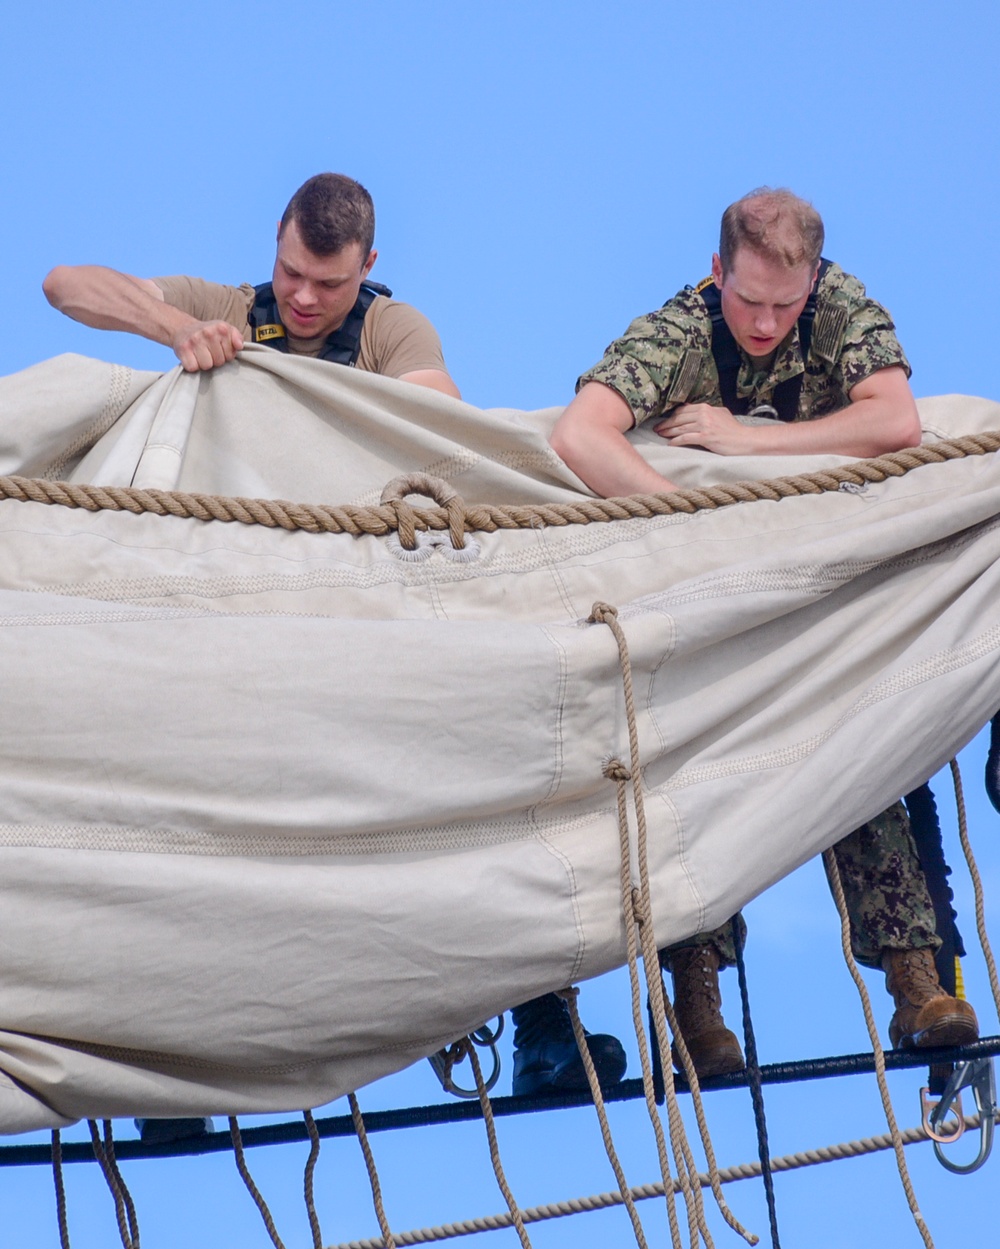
737 340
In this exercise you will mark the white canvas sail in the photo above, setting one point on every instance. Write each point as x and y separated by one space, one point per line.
281 812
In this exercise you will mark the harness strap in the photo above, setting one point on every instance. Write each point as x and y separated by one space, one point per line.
343 346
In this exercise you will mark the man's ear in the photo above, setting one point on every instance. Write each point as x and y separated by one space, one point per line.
277 236
366 268
717 269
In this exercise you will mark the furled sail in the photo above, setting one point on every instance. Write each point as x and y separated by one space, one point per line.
282 811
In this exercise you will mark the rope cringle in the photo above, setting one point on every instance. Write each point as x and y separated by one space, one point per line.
459 519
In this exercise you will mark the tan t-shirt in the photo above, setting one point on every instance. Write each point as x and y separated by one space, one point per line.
395 338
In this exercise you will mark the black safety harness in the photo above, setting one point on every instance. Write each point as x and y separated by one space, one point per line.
343 346
728 360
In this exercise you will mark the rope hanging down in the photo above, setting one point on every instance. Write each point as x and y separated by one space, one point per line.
637 909
395 515
104 1152
977 884
836 885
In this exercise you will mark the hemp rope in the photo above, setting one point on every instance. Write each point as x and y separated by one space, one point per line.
125 1216
491 1133
643 1192
387 1240
604 613
307 1182
254 1191
458 518
694 1088
109 1148
837 887
616 771
57 1177
977 883
586 1058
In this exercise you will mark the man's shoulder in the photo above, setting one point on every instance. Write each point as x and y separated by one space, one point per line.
683 320
837 283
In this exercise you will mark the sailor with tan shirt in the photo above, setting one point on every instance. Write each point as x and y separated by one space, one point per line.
319 301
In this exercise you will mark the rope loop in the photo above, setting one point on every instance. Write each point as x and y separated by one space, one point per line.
445 496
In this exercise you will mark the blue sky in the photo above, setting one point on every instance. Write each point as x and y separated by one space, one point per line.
542 174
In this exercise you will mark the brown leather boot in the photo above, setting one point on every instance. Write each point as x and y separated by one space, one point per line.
925 1014
714 1049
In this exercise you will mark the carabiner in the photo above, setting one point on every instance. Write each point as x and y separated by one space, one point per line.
978 1076
444 1060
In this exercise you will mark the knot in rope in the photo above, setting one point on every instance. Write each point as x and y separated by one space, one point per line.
615 770
601 613
394 497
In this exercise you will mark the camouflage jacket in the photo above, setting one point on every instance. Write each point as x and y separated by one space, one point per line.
665 358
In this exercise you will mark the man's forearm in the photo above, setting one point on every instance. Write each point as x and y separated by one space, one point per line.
108 300
865 428
590 438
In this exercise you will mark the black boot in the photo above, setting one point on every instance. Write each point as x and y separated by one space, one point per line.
546 1058
162 1131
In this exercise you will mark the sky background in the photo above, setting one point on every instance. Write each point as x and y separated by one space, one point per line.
542 173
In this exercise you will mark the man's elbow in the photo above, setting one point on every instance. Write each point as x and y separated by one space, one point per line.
55 284
911 433
563 442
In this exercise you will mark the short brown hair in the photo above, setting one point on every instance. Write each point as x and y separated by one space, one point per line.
331 211
775 224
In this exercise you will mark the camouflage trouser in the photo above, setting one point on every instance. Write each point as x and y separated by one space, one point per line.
887 898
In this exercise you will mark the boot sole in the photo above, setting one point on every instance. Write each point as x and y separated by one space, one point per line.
949 1031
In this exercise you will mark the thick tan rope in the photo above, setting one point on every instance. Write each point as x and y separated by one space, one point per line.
124 1209
388 1240
698 1104
57 1177
307 1182
837 887
604 613
977 884
616 771
109 1149
458 518
491 1132
595 1091
254 1191
643 1192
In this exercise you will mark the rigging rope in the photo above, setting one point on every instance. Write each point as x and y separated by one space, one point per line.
595 1091
753 1081
57 1177
104 1152
644 1192
255 1193
638 915
307 1182
977 884
491 1133
836 885
387 1241
458 518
